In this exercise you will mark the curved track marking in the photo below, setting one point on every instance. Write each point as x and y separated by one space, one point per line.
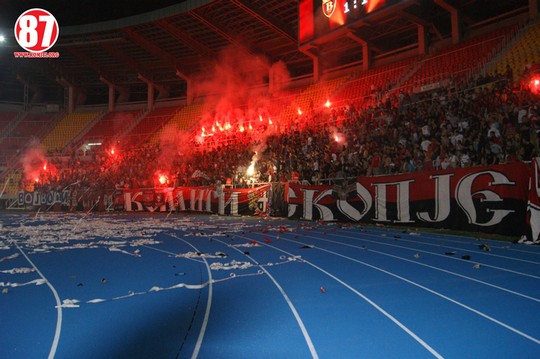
56 339
369 301
436 254
453 238
208 303
433 267
535 340
287 299
458 248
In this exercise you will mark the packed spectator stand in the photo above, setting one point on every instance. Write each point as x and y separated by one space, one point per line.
474 125
361 124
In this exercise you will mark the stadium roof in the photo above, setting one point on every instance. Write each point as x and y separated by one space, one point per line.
164 41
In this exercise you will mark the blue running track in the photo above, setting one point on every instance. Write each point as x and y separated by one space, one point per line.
156 286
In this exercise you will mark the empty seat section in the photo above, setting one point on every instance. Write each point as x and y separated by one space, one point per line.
359 88
183 120
462 60
526 50
69 127
149 125
31 126
13 183
111 125
6 118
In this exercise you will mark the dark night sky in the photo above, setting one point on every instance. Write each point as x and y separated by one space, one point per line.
78 12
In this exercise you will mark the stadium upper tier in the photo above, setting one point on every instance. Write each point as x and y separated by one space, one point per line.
231 106
172 48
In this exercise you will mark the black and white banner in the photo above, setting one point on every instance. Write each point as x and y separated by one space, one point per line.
488 199
492 199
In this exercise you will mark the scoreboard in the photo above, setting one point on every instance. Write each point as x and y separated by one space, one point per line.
318 18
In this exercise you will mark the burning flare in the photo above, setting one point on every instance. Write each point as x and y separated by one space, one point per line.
251 169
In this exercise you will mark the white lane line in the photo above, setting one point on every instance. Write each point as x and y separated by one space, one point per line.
372 303
208 303
452 238
435 254
287 299
432 267
535 340
56 339
489 254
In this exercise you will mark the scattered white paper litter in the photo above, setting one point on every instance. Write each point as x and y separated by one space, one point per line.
69 303
18 270
13 285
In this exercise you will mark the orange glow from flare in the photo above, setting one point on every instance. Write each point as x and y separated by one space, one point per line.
535 85
374 5
219 126
45 167
37 180
241 128
299 111
112 151
328 104
163 179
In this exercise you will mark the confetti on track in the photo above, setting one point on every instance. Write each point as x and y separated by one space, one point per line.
136 286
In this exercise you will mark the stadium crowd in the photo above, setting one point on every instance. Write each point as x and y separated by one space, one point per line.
488 121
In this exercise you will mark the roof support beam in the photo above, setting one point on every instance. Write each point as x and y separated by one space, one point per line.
190 95
73 93
122 57
160 53
150 47
366 50
123 92
422 40
313 53
223 32
419 21
268 20
163 91
38 92
455 18
84 58
185 38
533 9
